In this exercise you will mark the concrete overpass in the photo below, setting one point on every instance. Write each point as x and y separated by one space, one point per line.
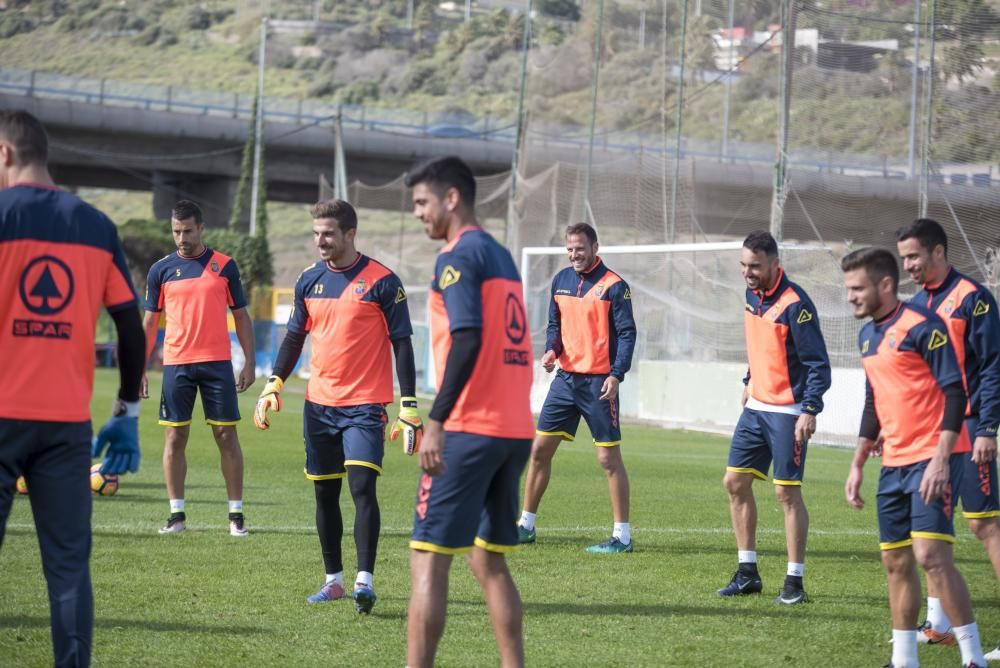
189 144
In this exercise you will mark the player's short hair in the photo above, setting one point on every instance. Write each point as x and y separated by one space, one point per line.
761 241
185 209
339 210
27 135
877 263
442 173
926 231
584 229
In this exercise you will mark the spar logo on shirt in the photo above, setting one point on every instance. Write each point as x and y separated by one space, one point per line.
46 288
515 327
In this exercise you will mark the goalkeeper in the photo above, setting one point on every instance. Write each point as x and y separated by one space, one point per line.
355 310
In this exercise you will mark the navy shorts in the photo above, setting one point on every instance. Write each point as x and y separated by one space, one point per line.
218 393
54 458
572 395
338 437
762 437
474 502
903 515
977 487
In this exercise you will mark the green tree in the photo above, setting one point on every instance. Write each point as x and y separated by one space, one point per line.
423 23
564 9
962 60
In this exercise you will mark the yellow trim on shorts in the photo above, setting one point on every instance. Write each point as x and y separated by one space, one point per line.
986 514
220 423
358 462
788 483
439 549
328 476
167 423
754 472
607 444
931 535
896 545
493 547
566 436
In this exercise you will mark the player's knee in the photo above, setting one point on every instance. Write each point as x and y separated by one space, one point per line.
225 436
985 528
542 452
328 491
934 559
897 561
361 481
737 484
788 495
610 459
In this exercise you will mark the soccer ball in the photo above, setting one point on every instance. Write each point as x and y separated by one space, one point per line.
21 485
101 483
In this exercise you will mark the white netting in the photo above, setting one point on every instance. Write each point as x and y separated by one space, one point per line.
688 301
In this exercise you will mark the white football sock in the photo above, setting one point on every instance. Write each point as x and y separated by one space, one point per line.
176 505
936 615
365 578
527 520
904 649
335 577
746 556
236 506
622 532
795 569
969 644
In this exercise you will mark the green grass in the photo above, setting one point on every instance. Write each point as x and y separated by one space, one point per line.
203 598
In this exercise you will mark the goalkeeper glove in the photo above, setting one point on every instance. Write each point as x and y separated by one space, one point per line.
409 424
120 434
270 400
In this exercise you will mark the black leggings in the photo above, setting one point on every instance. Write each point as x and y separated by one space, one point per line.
367 518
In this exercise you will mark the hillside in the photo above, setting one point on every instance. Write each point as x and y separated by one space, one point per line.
370 53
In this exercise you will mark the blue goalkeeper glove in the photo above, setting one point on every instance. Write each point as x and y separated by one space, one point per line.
120 435
409 424
270 400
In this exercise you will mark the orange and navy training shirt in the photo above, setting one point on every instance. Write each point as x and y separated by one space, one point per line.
591 328
195 292
60 261
909 360
351 316
476 286
970 312
789 364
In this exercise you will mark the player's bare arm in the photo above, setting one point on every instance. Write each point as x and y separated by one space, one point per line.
432 448
852 488
936 475
244 333
150 325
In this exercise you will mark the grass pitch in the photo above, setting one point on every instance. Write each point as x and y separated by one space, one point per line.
203 598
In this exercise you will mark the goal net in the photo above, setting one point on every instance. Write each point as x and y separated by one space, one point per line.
690 355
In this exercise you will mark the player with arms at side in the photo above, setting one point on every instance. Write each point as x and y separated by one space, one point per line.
194 286
591 333
970 312
478 435
784 386
354 310
915 397
60 261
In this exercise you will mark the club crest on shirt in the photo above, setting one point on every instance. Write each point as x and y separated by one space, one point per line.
215 266
949 306
892 338
599 290
359 287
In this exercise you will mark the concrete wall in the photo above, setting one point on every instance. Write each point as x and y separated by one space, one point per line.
706 397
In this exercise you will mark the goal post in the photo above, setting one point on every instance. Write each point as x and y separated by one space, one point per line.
690 354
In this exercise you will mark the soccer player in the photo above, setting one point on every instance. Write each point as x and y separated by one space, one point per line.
194 286
970 312
591 334
355 311
60 261
478 435
915 396
789 372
